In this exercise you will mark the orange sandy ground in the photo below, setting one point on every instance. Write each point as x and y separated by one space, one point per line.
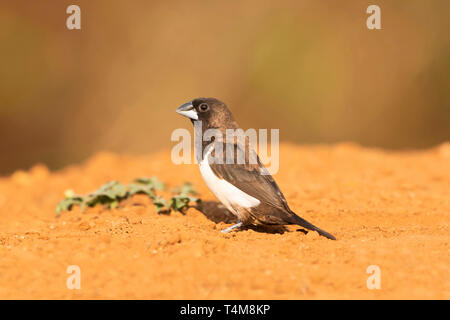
390 209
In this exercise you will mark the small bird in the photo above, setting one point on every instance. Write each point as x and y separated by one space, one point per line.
245 188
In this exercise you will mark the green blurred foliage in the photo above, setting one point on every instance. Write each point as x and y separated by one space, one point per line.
310 68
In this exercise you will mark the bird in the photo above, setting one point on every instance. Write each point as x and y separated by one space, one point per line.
244 186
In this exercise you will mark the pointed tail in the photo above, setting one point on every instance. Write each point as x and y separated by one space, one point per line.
305 224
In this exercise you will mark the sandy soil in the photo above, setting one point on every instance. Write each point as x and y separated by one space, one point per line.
390 209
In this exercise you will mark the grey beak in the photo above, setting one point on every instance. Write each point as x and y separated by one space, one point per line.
188 110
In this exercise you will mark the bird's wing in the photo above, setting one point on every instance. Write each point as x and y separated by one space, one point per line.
253 179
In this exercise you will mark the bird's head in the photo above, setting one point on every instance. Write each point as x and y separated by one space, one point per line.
212 112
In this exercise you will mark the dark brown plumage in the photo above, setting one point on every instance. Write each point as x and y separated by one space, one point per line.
246 176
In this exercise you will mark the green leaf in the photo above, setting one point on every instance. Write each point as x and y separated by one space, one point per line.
153 182
69 193
160 204
112 190
67 204
194 199
141 189
181 202
185 189
113 204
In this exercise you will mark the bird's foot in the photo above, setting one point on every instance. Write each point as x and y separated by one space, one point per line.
234 226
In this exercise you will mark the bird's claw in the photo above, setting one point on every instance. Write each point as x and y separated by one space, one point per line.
234 226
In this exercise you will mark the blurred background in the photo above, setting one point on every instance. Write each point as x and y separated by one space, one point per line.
310 68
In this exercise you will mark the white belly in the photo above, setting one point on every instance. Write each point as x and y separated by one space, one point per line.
229 195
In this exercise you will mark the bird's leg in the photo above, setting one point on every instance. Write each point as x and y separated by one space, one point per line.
234 226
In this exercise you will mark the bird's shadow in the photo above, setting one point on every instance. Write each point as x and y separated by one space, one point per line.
217 213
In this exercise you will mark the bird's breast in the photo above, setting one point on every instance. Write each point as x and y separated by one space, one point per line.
227 193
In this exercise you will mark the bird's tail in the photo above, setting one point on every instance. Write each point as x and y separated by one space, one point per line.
305 224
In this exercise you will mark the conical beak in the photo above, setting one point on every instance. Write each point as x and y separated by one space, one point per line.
188 110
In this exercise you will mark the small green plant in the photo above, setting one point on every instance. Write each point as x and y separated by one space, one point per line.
69 201
185 196
111 193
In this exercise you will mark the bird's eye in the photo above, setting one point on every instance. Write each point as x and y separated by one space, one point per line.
204 107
